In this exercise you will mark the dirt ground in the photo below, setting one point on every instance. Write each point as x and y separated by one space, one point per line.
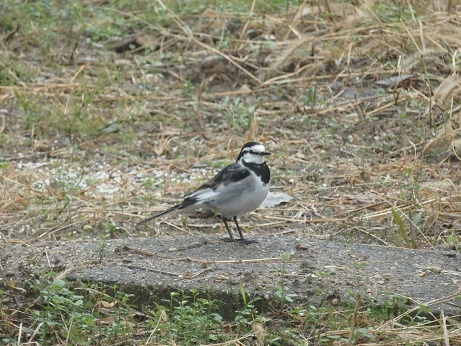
364 138
362 117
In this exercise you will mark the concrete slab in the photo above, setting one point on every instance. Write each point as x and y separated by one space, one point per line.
310 271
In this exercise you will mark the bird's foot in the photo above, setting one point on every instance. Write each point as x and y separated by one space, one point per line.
240 240
246 241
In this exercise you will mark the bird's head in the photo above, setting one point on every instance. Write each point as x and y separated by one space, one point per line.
253 152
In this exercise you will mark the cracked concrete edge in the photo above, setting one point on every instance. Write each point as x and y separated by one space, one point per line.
309 272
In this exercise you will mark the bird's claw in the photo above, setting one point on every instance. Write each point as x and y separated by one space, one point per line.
246 241
240 240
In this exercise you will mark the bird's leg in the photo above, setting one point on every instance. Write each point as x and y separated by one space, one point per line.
231 236
243 240
238 227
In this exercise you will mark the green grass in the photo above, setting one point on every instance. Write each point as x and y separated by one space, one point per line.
56 311
89 314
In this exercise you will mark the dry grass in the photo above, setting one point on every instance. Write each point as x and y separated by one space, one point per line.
343 146
92 140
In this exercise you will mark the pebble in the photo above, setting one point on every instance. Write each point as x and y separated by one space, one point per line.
307 264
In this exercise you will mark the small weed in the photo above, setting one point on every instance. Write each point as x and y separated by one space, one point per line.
102 248
283 297
454 241
401 227
238 114
393 12
55 310
60 315
247 315
411 223
187 318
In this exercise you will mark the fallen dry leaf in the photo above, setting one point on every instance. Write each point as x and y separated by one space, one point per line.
449 92
276 198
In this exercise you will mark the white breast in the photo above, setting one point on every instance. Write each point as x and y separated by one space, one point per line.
239 198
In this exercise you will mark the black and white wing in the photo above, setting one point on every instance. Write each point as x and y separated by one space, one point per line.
209 191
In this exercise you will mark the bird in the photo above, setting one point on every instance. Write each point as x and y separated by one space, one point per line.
236 190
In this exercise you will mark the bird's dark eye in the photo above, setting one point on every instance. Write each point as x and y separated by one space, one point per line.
253 152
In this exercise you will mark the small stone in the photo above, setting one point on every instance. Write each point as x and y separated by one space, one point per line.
59 266
300 246
307 264
87 228
435 269
72 277
387 276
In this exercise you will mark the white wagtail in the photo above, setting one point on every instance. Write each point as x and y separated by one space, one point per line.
236 190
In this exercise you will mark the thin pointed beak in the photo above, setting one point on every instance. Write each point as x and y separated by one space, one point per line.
264 153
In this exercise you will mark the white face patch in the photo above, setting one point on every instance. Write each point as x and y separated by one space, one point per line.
251 154
258 148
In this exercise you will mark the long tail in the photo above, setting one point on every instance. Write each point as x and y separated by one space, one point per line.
173 208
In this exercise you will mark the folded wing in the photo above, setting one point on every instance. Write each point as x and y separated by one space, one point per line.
211 190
